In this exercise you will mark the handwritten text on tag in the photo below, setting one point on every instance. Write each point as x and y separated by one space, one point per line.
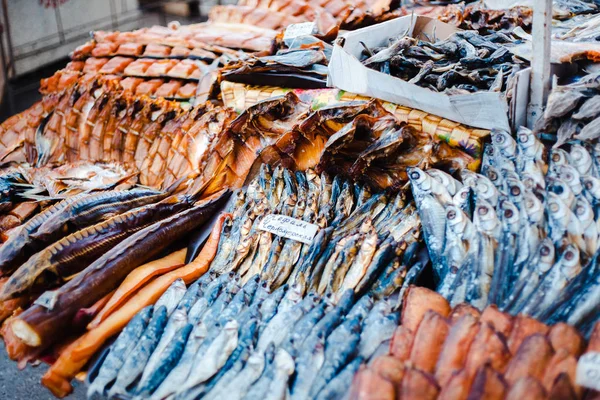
289 227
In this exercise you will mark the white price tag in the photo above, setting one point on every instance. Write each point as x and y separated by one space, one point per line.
301 29
588 370
289 227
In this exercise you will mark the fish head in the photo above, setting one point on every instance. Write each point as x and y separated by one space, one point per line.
468 177
510 214
485 217
562 189
568 173
445 179
592 187
546 255
584 211
558 157
504 142
525 137
462 195
533 207
486 190
456 219
422 183
556 207
294 295
493 174
516 190
580 157
570 263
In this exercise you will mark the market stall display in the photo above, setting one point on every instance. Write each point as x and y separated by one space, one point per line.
205 211
462 352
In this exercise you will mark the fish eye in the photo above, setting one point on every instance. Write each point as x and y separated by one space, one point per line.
569 255
415 175
556 157
569 177
515 191
508 213
545 251
499 138
580 210
451 214
492 175
483 210
529 203
523 138
554 207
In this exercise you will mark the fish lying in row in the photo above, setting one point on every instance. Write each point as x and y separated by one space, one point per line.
64 239
572 111
148 49
140 235
171 89
364 240
439 352
231 35
224 339
96 121
514 235
465 62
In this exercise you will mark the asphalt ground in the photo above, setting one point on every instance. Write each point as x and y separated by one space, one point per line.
25 385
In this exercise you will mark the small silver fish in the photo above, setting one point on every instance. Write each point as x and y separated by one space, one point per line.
180 372
585 214
239 385
530 276
119 351
564 225
564 271
172 296
284 368
375 333
446 180
214 358
571 177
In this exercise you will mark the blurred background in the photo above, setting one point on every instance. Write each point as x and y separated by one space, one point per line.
36 36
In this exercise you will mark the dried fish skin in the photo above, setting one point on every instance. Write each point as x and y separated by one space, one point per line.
591 131
589 109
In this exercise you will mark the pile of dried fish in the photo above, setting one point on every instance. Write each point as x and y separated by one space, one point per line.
302 64
515 235
365 240
465 62
462 353
359 139
572 111
222 338
93 260
475 16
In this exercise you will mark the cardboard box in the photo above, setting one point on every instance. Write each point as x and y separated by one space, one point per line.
487 110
